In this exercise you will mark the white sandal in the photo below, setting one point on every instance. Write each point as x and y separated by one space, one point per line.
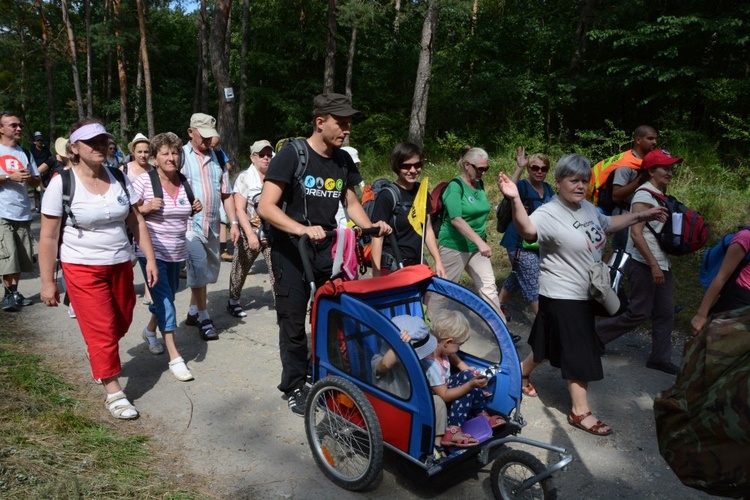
119 406
180 370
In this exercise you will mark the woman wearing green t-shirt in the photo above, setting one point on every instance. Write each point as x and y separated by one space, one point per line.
463 234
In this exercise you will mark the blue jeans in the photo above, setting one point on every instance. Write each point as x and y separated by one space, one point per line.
162 295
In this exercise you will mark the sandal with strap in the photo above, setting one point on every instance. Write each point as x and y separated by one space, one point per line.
207 331
528 389
119 406
457 439
495 421
596 429
236 310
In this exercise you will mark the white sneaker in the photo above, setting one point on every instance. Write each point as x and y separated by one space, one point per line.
154 346
180 370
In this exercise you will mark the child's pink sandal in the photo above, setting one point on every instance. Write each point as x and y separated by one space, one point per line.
454 437
495 421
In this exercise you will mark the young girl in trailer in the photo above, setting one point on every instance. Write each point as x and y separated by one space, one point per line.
464 391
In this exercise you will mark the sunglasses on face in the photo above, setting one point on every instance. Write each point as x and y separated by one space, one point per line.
479 169
15 125
264 155
407 166
537 168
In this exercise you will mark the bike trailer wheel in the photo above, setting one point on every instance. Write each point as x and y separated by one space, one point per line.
344 434
511 468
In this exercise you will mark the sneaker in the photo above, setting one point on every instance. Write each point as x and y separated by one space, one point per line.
192 320
180 370
71 312
154 346
9 303
296 402
227 257
21 300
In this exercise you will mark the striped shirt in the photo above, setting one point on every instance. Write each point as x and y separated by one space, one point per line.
209 182
167 225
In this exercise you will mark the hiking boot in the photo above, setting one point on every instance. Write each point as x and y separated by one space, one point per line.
21 300
9 303
296 402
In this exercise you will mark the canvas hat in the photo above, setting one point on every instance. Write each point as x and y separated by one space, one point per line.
659 157
601 289
38 136
334 104
61 144
138 138
352 152
423 343
259 146
205 124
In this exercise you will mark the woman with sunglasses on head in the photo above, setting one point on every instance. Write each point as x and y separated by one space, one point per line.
407 163
95 255
524 257
463 234
246 193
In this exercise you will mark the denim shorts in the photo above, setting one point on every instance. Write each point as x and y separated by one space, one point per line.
162 295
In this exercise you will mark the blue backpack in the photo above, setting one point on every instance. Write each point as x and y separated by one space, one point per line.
714 256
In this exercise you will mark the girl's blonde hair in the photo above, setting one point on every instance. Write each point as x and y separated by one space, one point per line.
447 324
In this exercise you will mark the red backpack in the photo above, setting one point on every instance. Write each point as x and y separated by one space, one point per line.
436 202
679 238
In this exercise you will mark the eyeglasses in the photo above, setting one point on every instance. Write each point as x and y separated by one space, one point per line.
264 155
479 169
15 125
407 166
537 168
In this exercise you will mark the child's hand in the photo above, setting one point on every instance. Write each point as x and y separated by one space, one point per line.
479 381
405 336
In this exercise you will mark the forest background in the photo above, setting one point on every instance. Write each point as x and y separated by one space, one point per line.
557 76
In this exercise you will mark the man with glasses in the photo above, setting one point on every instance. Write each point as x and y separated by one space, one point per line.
18 171
210 183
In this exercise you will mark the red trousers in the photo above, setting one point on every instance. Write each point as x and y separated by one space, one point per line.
103 298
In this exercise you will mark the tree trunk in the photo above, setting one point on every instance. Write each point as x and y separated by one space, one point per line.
330 69
121 72
424 74
227 122
146 68
138 93
204 58
350 69
89 78
243 70
74 58
396 19
48 71
584 23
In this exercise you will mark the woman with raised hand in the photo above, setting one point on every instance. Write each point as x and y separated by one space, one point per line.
166 224
571 233
407 163
246 193
95 254
463 234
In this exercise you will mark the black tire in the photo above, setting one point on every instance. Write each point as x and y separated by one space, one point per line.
344 434
513 467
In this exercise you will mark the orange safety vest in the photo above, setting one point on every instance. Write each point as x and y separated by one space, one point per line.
601 171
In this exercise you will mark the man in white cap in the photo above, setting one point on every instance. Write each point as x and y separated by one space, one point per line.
210 183
311 204
17 171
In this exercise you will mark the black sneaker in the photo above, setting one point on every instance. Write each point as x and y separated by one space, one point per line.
296 402
669 368
9 303
21 300
192 320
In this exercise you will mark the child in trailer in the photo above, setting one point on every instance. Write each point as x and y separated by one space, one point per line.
464 391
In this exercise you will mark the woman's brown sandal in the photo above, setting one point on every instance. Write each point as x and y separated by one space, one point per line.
596 429
528 389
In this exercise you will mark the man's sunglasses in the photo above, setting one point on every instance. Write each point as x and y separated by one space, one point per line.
264 155
407 166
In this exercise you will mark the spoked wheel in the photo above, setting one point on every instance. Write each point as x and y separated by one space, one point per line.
344 434
511 468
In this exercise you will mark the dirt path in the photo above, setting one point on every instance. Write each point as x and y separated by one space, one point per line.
232 428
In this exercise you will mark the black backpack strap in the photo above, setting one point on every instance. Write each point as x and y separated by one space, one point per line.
28 156
221 159
300 146
120 177
153 175
188 188
68 190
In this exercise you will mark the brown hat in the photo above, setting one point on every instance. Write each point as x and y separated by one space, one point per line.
205 124
333 104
